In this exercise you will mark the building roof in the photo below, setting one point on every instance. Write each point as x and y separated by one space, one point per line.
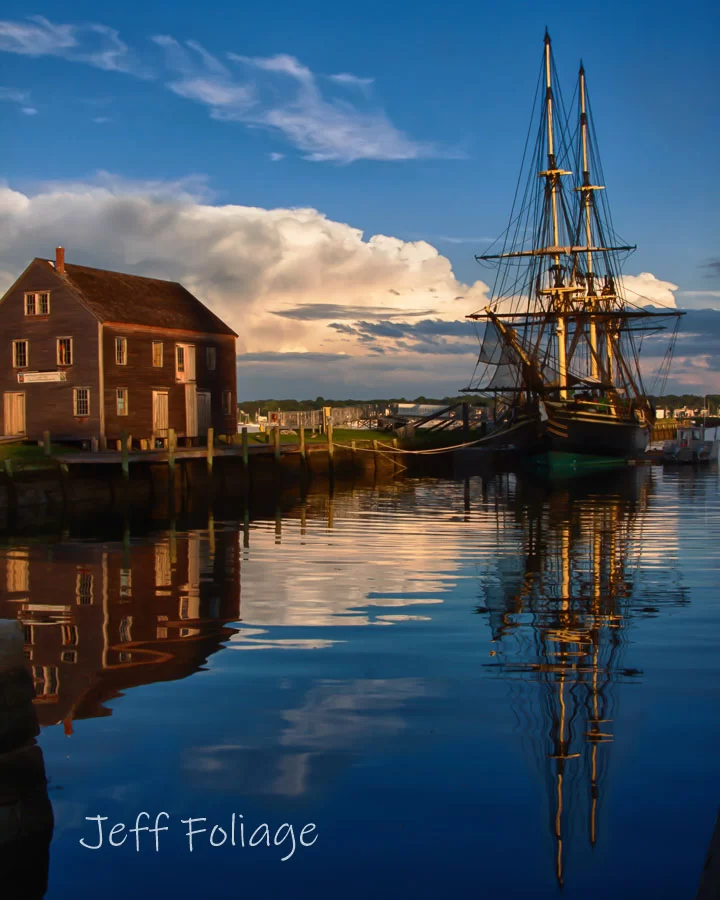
136 300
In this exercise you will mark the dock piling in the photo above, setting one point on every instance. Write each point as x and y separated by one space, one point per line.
276 443
125 455
245 452
47 445
331 447
210 449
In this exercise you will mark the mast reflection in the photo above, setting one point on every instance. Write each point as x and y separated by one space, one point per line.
559 613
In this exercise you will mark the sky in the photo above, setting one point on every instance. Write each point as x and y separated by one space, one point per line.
322 175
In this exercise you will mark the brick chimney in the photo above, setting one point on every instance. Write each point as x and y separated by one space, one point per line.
60 260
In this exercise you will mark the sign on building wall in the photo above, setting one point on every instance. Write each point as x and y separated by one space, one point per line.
30 377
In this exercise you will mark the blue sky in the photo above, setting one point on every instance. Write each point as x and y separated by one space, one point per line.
403 120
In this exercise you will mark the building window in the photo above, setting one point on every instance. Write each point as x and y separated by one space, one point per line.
20 354
185 362
69 635
125 582
125 629
84 587
18 572
227 402
37 304
211 358
121 397
157 354
121 351
81 401
64 352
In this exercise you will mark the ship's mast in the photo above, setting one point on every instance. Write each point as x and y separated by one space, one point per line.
552 174
587 190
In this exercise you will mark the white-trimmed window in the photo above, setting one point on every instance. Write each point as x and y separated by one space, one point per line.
121 401
227 403
37 304
185 362
81 401
64 351
211 358
121 351
157 354
20 354
84 587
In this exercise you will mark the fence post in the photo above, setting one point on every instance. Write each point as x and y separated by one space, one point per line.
210 448
47 446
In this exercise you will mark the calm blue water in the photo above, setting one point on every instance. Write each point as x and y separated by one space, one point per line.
481 689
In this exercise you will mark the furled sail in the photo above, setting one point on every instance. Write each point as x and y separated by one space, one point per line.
503 368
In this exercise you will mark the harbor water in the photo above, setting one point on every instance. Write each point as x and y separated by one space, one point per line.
491 688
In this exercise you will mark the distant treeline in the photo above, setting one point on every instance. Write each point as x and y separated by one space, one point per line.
692 401
251 407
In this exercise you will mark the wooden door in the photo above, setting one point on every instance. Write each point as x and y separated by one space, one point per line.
204 412
14 413
160 414
190 362
191 411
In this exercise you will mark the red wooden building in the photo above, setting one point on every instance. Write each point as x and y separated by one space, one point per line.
86 353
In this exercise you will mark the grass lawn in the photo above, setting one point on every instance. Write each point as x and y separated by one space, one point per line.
30 456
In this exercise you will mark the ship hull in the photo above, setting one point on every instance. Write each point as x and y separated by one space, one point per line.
569 433
598 435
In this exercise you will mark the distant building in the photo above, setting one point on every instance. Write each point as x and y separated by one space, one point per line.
91 353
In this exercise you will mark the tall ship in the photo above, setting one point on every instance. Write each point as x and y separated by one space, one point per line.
560 347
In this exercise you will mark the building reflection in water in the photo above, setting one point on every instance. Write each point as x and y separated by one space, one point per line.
103 617
559 610
26 816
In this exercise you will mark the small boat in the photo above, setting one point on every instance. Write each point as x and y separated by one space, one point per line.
694 444
560 350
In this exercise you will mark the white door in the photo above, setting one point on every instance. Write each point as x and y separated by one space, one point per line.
191 411
160 413
204 412
14 411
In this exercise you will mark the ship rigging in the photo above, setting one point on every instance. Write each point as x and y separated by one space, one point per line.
561 341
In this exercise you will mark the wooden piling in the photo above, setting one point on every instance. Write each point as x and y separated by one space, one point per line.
125 455
466 420
331 446
276 443
210 449
395 459
172 447
245 451
353 447
301 433
375 456
47 445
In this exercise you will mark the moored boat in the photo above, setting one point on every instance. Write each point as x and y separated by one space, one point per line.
694 444
560 348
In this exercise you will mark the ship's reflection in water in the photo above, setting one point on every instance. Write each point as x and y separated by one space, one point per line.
560 612
325 659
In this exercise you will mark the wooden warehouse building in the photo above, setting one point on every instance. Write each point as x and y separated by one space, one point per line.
86 353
